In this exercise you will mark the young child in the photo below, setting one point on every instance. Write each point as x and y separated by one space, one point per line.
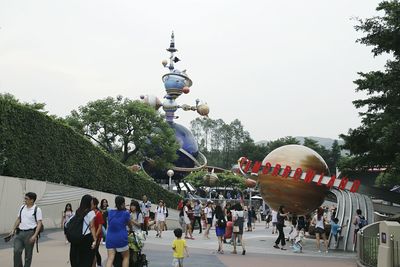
179 246
298 246
336 229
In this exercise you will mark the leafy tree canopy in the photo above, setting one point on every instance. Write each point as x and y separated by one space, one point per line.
225 179
128 130
376 142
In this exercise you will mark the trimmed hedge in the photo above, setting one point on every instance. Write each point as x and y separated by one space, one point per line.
35 146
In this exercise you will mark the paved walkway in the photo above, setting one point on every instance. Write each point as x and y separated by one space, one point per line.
54 252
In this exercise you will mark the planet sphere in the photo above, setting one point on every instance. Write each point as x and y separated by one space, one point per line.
298 197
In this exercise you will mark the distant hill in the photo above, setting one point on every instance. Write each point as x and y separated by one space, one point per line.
326 142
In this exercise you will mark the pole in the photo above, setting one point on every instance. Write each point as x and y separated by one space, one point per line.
250 198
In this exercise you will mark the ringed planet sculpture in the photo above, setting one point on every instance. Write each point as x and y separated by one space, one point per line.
298 197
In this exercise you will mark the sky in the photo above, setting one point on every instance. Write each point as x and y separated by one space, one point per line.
283 68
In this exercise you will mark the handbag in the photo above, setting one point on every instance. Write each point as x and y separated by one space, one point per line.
236 229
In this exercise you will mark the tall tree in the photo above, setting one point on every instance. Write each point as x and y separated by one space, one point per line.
376 142
128 130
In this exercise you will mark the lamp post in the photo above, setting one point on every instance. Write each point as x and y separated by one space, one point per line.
170 173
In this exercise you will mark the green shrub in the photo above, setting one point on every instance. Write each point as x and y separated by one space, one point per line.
36 146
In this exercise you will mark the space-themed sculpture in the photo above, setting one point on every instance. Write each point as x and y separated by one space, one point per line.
294 176
176 83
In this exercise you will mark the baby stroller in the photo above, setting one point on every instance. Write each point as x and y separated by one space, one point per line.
136 257
297 245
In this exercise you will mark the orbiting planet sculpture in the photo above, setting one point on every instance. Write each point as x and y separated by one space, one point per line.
176 83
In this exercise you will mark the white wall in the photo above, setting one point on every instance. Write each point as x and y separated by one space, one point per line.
51 198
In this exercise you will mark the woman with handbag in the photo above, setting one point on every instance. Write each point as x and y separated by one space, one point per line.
220 227
238 221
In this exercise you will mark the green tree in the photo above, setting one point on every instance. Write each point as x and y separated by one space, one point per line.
225 179
128 130
376 142
7 97
288 140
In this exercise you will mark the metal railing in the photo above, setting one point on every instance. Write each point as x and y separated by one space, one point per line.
368 250
395 252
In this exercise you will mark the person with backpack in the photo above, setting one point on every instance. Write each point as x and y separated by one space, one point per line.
27 228
160 216
80 231
359 222
220 227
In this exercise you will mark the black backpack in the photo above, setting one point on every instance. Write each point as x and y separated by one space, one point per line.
73 229
363 222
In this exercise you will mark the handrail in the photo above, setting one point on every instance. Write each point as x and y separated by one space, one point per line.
348 229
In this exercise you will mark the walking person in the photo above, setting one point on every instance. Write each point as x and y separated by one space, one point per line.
65 216
281 215
238 221
197 210
26 227
161 212
319 222
104 212
145 207
274 220
82 253
117 236
179 247
98 226
186 218
220 226
208 212
359 222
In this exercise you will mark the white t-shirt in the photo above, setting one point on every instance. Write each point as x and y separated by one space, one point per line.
86 222
145 208
237 213
208 212
138 218
319 223
161 213
274 215
27 219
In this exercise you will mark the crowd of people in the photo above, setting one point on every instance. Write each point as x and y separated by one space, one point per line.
123 229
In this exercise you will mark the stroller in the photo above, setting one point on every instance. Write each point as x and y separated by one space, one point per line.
297 245
136 257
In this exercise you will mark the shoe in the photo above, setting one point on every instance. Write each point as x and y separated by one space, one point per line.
191 238
234 252
244 252
319 251
326 252
222 252
276 246
186 237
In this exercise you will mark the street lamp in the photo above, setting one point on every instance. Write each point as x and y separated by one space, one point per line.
170 173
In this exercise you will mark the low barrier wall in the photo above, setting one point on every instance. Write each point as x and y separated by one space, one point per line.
51 198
